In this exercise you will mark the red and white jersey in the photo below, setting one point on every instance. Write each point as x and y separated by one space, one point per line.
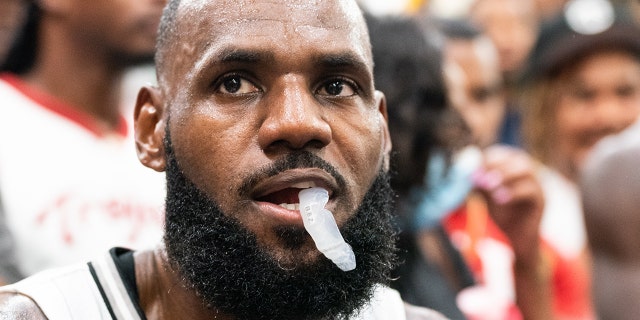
68 190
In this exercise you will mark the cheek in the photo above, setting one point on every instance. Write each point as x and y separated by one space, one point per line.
362 148
570 121
212 153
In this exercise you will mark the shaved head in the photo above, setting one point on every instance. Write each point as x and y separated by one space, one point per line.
184 19
257 98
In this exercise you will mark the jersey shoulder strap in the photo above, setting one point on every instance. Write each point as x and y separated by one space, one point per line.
85 291
64 293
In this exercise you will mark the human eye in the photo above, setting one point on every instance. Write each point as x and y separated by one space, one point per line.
236 85
625 91
338 88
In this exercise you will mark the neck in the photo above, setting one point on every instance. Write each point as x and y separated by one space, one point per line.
163 294
80 75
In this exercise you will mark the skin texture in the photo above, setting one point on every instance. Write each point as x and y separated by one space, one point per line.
609 182
515 202
475 85
84 48
598 97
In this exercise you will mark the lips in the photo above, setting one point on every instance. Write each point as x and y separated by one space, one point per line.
286 198
282 190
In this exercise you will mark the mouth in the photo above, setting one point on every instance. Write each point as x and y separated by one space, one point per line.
278 196
287 197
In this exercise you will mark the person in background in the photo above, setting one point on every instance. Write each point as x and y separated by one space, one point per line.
70 184
429 138
407 68
609 183
254 104
512 25
582 84
473 79
474 83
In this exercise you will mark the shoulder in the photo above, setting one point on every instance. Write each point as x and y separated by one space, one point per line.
420 313
18 306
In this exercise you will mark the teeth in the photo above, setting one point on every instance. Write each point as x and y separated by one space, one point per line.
304 185
290 206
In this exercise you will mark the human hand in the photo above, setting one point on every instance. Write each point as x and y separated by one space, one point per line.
507 180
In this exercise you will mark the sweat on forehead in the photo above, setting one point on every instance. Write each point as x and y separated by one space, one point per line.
182 19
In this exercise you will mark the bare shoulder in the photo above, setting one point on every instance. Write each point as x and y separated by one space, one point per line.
420 313
17 306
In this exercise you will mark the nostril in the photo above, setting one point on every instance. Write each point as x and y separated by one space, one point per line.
291 145
294 130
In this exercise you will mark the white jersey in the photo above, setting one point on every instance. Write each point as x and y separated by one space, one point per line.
97 291
68 190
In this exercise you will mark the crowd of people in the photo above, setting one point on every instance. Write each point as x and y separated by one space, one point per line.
478 163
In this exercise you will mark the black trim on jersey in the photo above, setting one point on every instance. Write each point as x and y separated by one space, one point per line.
123 259
104 296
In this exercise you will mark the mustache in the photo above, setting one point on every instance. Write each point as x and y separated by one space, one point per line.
295 160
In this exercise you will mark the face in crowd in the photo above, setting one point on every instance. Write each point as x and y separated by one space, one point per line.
257 100
598 96
475 86
127 29
512 25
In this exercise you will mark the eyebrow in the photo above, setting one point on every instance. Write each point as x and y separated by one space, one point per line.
341 59
336 60
247 56
327 60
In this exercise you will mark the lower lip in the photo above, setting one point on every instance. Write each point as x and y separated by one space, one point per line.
280 214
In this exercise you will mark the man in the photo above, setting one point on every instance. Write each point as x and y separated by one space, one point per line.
512 25
67 169
474 81
255 101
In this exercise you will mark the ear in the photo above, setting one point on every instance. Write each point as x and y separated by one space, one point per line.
381 102
149 123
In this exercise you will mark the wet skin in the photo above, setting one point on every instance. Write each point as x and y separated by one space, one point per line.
256 84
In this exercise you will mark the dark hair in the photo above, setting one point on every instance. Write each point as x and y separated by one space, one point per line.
166 29
560 46
22 54
408 69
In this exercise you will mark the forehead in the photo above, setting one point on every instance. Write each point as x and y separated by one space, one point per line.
291 27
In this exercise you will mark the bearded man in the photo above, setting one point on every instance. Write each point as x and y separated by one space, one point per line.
256 100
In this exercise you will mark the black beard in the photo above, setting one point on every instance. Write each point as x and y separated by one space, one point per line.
222 261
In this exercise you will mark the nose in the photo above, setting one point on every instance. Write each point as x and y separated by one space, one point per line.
294 119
